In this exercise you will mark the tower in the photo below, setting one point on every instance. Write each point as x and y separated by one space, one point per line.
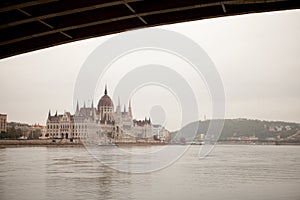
118 110
129 109
118 114
77 109
106 109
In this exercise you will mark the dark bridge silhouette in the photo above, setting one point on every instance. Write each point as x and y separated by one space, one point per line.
35 24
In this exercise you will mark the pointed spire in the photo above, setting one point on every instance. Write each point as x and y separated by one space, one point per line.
105 91
49 114
77 107
118 109
124 109
92 106
93 112
129 109
84 104
56 114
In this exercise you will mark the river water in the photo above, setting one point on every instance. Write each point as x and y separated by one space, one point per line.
228 172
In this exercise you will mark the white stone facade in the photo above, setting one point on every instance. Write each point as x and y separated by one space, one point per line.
99 121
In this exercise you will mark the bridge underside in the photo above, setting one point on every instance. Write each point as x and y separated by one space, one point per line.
32 25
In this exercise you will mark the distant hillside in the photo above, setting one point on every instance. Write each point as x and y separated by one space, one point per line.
235 128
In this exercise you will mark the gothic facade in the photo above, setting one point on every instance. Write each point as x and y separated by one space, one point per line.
102 120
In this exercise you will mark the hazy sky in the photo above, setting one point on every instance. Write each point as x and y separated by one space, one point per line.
257 56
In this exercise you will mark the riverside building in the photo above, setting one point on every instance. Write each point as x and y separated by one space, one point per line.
104 120
3 123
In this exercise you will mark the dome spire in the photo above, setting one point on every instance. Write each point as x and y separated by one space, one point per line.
105 100
105 91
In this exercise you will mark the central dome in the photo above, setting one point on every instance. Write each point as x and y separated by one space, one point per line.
105 100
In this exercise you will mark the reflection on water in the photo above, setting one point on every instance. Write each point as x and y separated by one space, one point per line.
229 172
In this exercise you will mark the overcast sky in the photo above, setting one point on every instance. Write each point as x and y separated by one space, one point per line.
256 55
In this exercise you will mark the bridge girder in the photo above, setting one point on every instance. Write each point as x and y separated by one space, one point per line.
37 24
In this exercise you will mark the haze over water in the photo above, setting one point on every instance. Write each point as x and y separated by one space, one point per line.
229 172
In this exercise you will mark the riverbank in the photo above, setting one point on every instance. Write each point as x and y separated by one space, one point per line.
78 143
67 143
260 142
48 142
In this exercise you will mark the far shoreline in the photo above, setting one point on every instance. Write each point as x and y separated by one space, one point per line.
66 143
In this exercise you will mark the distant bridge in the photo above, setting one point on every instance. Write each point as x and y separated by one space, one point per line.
35 24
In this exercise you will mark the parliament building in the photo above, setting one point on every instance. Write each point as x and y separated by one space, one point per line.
103 120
